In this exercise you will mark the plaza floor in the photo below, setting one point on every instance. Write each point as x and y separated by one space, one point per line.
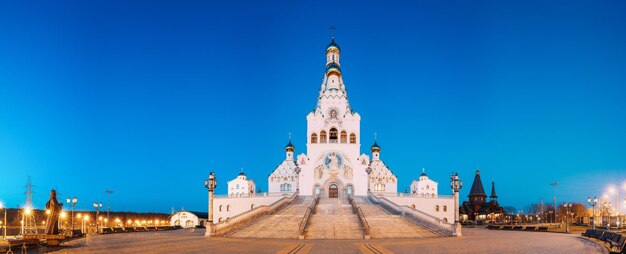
474 241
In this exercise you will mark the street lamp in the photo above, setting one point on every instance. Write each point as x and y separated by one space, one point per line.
4 225
97 205
297 170
567 207
210 184
368 170
593 211
456 185
72 202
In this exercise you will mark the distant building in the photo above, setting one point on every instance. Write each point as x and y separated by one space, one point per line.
477 208
187 219
424 187
241 186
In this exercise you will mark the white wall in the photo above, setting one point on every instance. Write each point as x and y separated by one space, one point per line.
233 206
427 205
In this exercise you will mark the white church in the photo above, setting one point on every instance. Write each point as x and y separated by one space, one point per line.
333 165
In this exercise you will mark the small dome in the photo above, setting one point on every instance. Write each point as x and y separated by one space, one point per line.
375 146
242 174
333 45
424 174
290 145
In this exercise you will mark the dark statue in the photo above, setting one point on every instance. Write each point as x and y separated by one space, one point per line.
52 224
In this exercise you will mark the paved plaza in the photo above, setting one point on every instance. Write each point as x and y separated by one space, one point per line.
474 241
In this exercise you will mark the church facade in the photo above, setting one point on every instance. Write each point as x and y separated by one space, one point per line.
333 164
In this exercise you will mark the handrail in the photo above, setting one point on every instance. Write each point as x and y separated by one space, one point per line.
357 210
241 221
428 221
307 216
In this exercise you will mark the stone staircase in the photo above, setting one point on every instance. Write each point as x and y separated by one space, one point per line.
284 224
334 219
385 225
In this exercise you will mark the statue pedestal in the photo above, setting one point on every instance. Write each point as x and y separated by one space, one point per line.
456 230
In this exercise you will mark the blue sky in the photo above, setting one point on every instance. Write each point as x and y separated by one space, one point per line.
123 95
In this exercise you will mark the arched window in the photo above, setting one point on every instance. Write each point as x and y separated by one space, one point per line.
323 137
344 137
314 138
445 220
437 208
219 220
352 138
228 208
220 208
333 135
445 208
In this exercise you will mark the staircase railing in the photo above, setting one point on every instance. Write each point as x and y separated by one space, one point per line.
357 210
425 220
310 210
243 220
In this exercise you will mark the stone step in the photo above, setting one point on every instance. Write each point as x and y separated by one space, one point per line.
385 225
285 224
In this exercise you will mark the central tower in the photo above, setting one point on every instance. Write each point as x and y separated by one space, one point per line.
333 137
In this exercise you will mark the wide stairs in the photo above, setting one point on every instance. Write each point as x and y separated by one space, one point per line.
385 225
284 224
334 219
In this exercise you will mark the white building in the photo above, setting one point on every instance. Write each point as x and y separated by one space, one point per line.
424 187
187 219
241 186
333 164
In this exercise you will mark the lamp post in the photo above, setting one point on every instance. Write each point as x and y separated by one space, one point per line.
554 184
4 224
567 207
456 185
72 202
97 205
593 211
368 170
297 170
210 184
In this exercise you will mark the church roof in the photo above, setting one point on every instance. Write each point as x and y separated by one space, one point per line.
242 174
493 190
375 145
477 186
290 145
333 44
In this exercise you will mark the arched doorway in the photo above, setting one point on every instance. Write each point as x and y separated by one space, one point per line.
333 191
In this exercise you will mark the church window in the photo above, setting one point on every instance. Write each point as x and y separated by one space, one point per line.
323 137
437 208
220 208
333 135
219 220
352 138
344 137
228 208
445 208
313 138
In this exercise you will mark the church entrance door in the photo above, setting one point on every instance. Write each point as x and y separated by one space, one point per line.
333 191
